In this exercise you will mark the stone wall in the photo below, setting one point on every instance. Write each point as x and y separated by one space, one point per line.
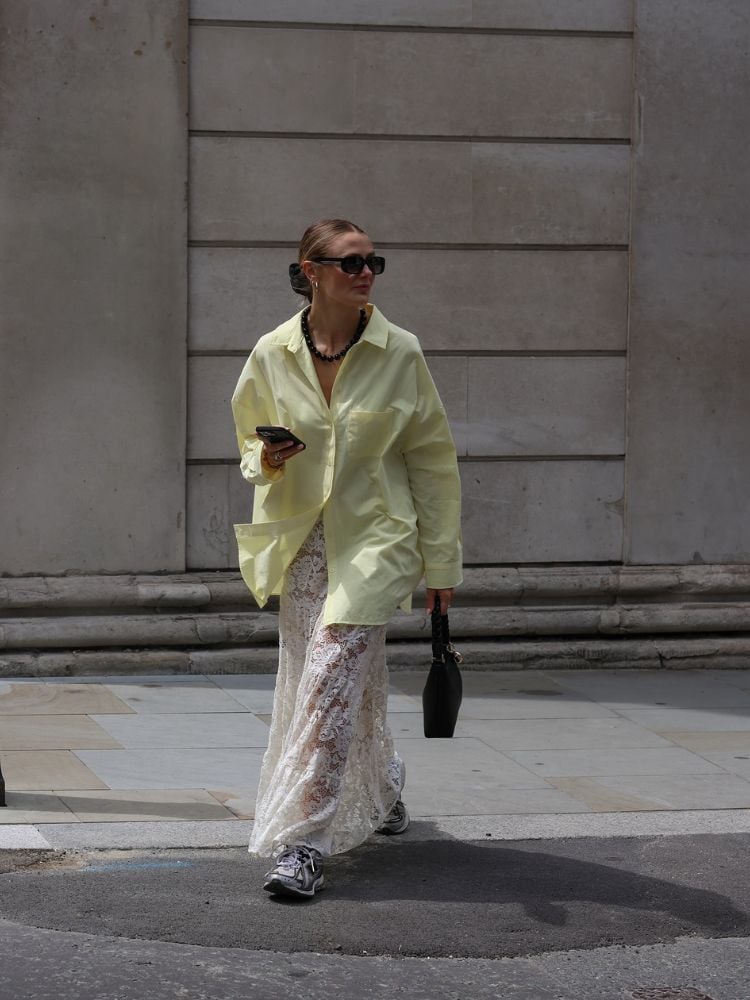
688 467
93 279
485 148
560 188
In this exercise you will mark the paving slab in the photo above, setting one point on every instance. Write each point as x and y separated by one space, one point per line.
55 732
253 691
166 695
665 720
670 791
489 682
240 801
584 763
560 734
649 688
708 742
189 730
738 678
461 776
59 699
169 768
42 770
34 808
738 764
141 805
529 746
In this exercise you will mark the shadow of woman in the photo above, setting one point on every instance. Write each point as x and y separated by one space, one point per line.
497 898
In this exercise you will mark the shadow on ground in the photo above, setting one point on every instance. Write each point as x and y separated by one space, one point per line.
395 897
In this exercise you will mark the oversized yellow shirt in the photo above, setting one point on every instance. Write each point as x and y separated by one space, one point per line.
380 467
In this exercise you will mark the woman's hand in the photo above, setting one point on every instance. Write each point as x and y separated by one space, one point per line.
446 599
274 455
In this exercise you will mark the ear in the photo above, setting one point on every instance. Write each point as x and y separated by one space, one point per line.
310 270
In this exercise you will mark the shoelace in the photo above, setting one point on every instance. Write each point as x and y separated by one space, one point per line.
298 856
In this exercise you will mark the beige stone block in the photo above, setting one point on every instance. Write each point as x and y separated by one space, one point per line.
545 511
557 763
711 742
35 807
217 499
493 85
451 299
270 189
32 770
451 379
209 527
483 300
237 294
60 699
484 192
598 797
570 15
554 15
257 80
124 806
93 283
409 83
443 13
546 406
549 193
211 382
688 469
670 791
53 732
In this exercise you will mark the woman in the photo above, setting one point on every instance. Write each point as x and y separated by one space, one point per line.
345 525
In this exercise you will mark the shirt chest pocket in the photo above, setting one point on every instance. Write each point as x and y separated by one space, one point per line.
369 433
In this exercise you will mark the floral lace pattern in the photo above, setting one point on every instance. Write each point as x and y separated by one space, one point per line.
330 774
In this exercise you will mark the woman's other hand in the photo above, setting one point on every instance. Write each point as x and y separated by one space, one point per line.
446 599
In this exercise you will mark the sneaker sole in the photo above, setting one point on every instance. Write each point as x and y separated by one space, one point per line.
279 888
389 832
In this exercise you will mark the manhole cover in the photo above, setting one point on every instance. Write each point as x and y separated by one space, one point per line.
670 993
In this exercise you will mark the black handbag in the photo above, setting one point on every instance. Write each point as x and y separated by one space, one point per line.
443 690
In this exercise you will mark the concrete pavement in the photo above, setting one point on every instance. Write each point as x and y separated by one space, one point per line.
173 761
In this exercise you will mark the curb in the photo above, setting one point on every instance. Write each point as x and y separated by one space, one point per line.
187 835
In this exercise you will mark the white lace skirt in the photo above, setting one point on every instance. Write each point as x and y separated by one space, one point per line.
330 774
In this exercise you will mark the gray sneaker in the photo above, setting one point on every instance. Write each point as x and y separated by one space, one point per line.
298 872
396 821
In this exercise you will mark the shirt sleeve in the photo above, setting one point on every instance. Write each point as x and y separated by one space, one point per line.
432 466
252 405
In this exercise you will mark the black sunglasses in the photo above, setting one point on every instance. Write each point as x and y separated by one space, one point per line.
353 263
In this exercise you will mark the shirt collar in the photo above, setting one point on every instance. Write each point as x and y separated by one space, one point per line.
376 331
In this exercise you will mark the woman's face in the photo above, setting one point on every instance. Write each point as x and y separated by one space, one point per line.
333 283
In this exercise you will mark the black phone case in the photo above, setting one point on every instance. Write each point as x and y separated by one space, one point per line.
275 435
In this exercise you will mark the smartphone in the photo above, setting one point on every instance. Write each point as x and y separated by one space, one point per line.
275 435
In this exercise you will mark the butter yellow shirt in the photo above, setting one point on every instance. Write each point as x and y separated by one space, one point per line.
380 468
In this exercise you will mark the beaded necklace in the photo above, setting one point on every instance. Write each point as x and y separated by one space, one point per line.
332 357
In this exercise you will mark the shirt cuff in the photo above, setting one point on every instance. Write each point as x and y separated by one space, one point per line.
441 576
258 472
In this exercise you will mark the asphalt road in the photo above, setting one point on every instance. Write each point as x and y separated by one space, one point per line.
568 918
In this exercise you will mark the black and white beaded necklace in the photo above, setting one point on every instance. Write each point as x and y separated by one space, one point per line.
332 357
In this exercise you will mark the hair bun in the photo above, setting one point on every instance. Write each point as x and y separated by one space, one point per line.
298 280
